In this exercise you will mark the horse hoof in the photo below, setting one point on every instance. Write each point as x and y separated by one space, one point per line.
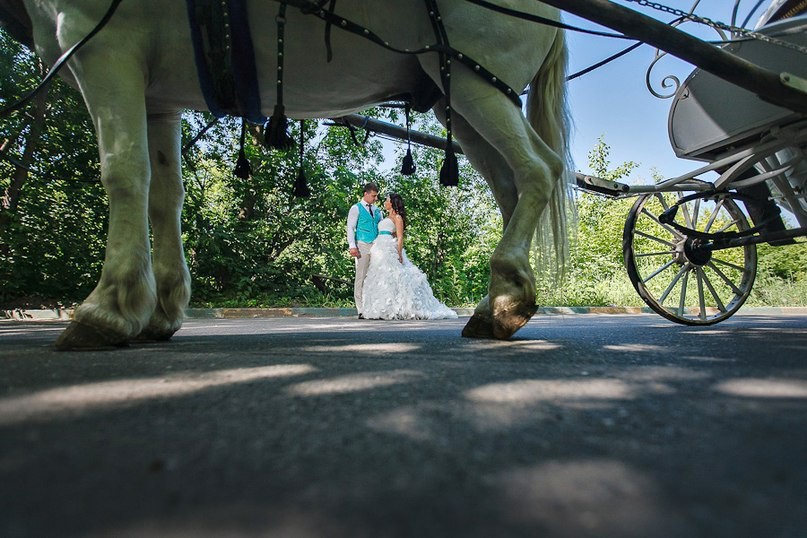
500 326
478 326
154 335
81 337
506 323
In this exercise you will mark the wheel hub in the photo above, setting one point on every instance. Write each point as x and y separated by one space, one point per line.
695 254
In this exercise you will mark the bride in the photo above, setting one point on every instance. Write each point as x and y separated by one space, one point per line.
394 287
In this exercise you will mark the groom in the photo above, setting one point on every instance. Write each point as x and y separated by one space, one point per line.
362 229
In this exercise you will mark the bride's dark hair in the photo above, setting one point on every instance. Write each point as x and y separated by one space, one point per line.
398 205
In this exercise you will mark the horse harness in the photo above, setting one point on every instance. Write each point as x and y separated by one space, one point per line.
225 61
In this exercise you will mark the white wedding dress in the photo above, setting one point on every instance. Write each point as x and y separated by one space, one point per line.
395 290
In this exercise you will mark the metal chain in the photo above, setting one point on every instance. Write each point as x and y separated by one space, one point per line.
720 25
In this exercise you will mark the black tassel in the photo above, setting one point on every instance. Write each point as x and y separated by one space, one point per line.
408 166
276 130
301 189
242 167
450 172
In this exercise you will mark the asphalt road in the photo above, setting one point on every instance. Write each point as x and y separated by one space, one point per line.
581 426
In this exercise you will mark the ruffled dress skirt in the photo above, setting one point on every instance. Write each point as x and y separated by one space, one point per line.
395 290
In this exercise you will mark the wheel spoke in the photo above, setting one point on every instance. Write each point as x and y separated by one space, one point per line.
725 279
656 239
715 213
657 271
675 280
682 299
727 226
659 253
715 296
701 298
687 216
696 213
728 264
666 227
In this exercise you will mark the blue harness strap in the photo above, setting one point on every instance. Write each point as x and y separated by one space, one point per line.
225 58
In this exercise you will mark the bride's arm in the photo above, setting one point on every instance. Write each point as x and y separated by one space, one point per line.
399 233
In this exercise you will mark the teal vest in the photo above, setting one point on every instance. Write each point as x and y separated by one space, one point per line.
367 226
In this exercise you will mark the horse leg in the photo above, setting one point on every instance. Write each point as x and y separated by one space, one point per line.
488 162
124 298
485 160
166 196
522 171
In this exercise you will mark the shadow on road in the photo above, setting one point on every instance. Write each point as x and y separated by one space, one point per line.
580 426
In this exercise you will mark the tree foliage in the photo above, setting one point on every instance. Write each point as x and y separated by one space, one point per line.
250 242
53 212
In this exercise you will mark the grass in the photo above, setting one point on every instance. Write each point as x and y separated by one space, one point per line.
773 291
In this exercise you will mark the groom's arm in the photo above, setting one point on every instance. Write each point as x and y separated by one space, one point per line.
352 220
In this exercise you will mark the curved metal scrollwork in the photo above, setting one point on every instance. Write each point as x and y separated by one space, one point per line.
670 84
670 81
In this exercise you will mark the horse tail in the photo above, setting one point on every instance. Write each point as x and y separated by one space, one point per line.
547 113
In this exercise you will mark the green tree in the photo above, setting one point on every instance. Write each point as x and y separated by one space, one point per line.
596 267
53 209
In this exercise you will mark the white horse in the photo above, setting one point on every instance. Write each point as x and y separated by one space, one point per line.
138 73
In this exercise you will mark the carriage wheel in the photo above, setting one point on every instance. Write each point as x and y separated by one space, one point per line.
674 278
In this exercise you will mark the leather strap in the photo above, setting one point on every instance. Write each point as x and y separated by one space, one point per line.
225 57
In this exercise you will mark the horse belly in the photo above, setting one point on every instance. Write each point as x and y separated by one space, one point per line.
360 74
154 32
512 49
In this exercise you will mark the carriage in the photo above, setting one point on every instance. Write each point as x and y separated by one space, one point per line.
689 243
689 246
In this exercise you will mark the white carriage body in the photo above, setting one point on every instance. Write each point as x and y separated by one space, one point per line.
710 116
711 119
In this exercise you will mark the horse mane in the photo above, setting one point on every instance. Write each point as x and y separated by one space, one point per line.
15 20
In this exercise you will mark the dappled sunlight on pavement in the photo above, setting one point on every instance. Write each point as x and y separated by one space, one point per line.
589 497
528 391
71 400
579 427
354 383
374 348
763 388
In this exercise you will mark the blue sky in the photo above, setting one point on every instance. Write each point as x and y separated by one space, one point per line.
614 101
